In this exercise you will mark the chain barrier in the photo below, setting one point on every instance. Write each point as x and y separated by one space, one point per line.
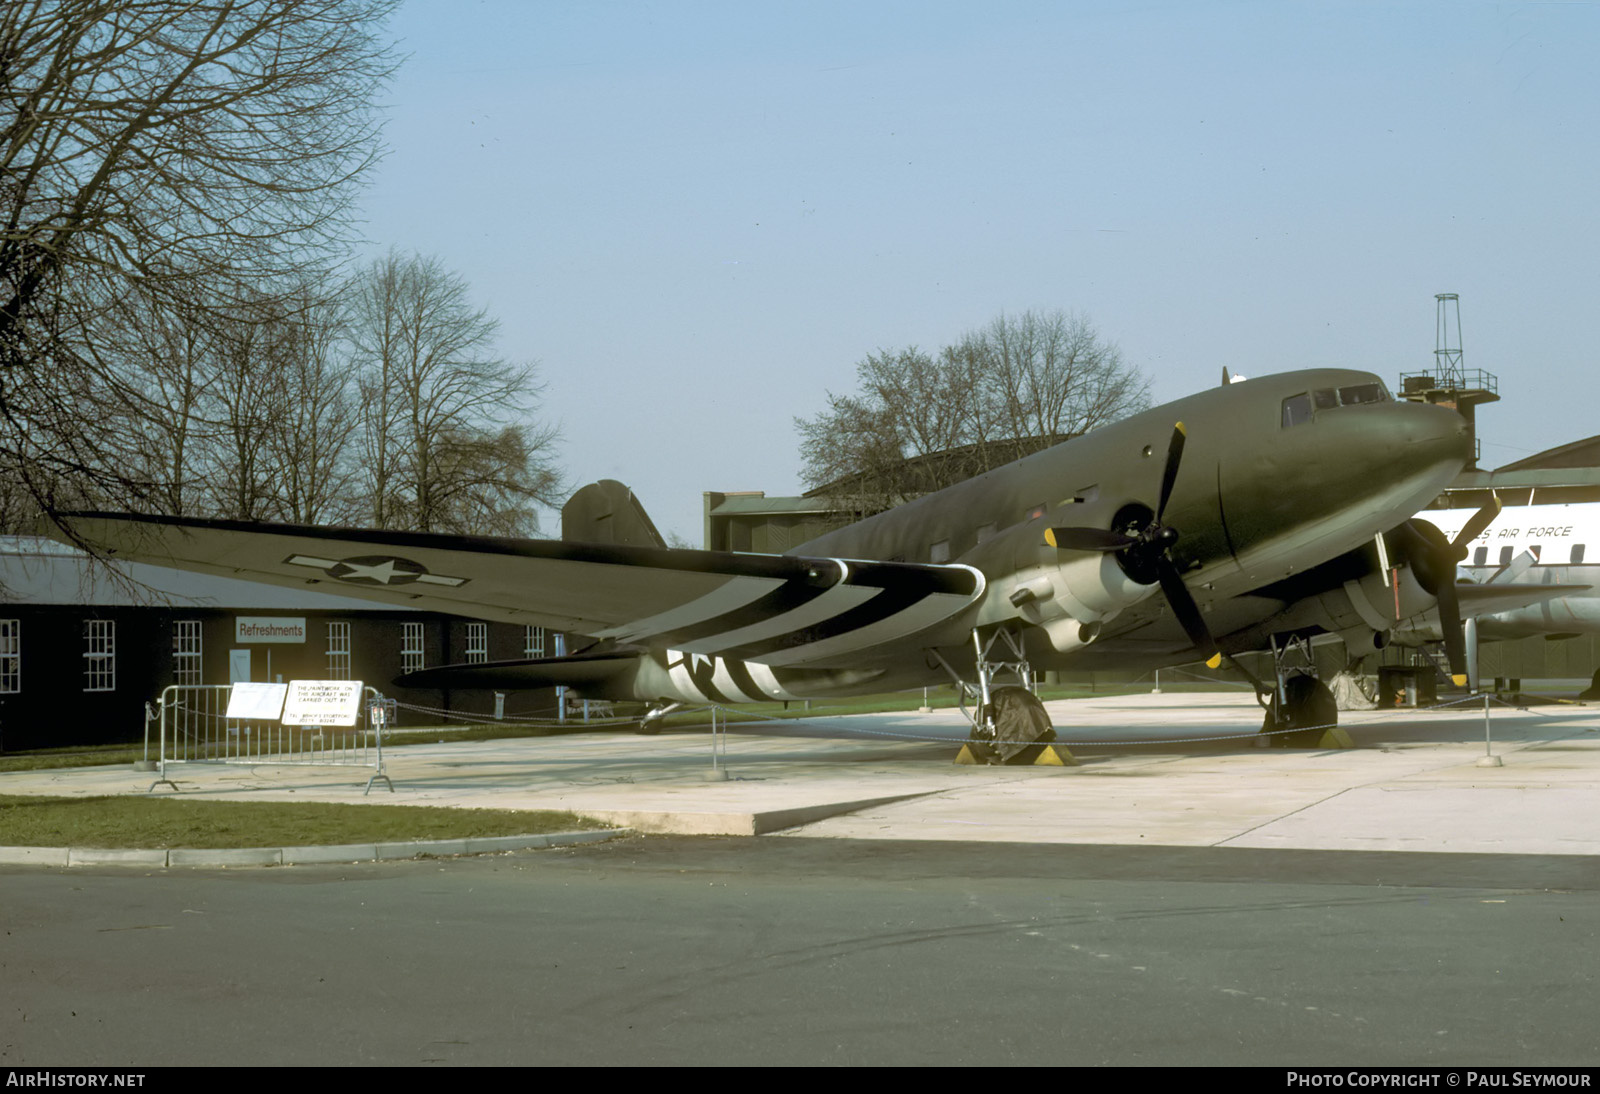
735 720
536 721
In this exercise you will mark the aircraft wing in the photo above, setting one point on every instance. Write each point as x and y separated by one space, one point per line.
775 609
1492 599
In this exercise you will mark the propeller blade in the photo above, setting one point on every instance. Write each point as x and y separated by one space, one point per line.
1455 643
1087 539
1474 528
1169 474
1187 611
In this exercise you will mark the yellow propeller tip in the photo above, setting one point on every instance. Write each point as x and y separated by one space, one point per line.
1459 680
1050 536
1214 660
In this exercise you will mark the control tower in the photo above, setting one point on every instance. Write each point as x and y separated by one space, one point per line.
1449 383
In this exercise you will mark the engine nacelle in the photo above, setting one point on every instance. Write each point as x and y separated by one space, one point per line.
1071 600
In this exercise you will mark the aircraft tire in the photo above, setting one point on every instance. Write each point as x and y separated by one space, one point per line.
1021 725
1310 707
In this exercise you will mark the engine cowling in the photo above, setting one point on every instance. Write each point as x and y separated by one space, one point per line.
1071 600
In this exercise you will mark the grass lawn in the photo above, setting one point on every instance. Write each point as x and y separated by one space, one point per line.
163 823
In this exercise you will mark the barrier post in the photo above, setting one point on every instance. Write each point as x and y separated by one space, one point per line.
1489 758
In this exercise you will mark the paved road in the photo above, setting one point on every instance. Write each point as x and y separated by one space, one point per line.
668 950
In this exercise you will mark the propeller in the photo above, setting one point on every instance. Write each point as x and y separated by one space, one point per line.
1145 553
1433 559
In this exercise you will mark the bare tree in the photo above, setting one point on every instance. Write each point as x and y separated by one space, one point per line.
919 422
446 442
250 401
193 153
310 441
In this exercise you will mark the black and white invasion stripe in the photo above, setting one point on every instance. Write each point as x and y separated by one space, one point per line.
836 608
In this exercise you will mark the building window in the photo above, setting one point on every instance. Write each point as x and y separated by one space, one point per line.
99 655
411 659
186 652
338 651
10 656
532 642
477 643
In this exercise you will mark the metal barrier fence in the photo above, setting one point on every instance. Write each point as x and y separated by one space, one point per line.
196 729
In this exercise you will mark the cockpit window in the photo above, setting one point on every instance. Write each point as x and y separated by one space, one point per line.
1363 393
1296 410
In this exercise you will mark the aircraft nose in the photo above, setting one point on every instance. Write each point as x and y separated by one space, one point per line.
1434 434
1373 464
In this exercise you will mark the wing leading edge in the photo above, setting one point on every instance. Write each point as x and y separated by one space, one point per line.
773 609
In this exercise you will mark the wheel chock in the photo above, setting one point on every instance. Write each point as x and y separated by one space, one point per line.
1335 737
1047 756
965 756
1325 739
1040 755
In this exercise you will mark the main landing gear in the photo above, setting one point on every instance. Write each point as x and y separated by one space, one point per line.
1009 723
1301 711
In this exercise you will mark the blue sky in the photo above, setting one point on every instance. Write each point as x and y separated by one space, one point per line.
697 217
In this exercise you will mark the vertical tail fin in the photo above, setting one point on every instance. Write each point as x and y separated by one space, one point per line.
607 512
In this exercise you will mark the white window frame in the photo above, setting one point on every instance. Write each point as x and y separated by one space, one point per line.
413 656
338 651
99 655
187 666
10 656
532 642
477 643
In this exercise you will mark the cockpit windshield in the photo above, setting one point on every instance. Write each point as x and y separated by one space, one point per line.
1298 409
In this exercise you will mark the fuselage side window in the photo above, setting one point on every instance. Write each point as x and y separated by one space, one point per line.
1505 556
1296 410
1480 556
1577 553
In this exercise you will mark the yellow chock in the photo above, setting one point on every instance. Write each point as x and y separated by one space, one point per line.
1335 737
1033 755
1055 756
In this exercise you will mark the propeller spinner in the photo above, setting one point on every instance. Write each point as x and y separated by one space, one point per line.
1146 550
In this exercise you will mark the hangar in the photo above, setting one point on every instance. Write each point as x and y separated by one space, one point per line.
84 646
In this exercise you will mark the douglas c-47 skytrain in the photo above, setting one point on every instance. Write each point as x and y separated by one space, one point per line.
1231 520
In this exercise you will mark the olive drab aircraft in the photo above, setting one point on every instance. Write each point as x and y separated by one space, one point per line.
1226 521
